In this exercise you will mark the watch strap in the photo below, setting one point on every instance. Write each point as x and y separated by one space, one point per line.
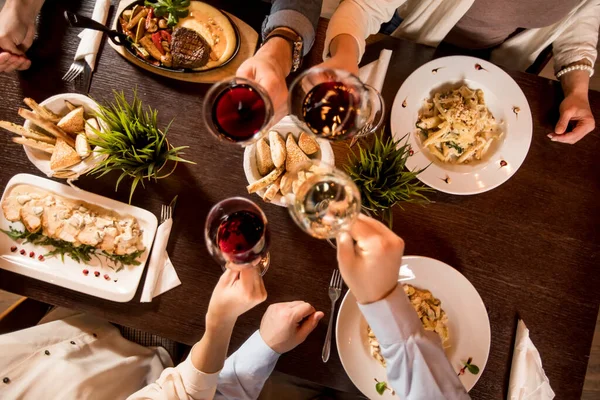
294 39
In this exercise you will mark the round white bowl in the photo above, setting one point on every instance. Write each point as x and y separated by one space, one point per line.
56 104
285 126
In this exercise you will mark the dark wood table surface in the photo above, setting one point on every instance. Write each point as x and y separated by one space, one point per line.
531 247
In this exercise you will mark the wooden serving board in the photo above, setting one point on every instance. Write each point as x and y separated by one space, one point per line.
248 42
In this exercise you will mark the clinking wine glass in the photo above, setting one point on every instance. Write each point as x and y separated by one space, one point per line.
237 235
334 104
322 200
237 110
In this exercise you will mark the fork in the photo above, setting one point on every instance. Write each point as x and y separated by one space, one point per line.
75 70
335 289
166 212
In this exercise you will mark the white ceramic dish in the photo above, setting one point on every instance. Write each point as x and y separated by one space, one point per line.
56 104
503 97
285 126
120 287
468 324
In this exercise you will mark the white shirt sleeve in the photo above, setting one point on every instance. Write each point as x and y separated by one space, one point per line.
417 367
242 376
359 19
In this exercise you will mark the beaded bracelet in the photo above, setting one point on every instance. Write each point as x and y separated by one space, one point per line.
580 67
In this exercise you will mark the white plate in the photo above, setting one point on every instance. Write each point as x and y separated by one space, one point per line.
70 273
56 104
285 126
468 325
503 97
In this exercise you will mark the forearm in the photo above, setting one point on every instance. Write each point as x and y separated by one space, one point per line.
279 51
576 82
29 9
208 355
345 46
302 16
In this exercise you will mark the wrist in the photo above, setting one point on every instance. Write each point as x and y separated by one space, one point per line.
374 298
219 323
344 47
279 51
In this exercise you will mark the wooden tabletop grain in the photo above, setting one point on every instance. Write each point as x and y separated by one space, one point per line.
530 247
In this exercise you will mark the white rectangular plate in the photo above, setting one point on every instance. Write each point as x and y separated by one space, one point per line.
120 287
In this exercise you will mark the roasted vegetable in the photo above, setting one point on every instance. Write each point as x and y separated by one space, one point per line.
156 40
140 31
148 44
135 20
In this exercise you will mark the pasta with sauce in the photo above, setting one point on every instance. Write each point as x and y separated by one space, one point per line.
456 125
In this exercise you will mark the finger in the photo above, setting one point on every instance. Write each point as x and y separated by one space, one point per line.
309 324
28 41
363 229
25 65
563 121
345 249
252 281
8 45
12 64
582 128
4 60
292 304
302 311
19 62
378 226
229 276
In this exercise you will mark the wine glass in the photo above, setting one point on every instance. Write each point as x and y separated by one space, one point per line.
323 200
334 104
237 235
237 110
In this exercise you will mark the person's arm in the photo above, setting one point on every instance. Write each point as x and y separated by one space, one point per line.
197 376
17 30
369 257
301 16
283 327
577 45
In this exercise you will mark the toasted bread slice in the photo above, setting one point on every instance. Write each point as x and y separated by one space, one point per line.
265 181
307 143
82 147
272 191
264 162
295 156
73 122
70 105
41 110
285 186
28 133
278 152
45 147
90 125
47 126
64 156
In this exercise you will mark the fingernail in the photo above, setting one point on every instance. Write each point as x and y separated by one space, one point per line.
550 135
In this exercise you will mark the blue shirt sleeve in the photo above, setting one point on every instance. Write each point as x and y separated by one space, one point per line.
245 371
302 16
417 368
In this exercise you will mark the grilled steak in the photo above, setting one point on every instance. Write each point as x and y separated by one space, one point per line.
189 49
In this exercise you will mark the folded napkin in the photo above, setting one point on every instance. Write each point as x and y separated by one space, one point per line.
90 40
373 74
527 377
161 275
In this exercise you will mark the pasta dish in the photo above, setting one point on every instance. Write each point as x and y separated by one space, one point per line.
456 125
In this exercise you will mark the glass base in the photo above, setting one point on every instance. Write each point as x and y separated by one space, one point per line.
263 265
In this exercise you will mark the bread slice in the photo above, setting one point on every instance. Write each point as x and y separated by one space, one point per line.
45 147
47 126
295 156
41 110
265 181
73 122
27 133
272 191
64 156
285 186
307 143
82 147
90 125
278 152
264 162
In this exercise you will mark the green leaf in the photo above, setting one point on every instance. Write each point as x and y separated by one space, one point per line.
380 387
474 369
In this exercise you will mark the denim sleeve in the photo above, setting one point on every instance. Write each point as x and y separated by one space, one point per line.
301 16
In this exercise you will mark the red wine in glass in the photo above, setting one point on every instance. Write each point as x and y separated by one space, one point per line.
328 110
241 237
239 112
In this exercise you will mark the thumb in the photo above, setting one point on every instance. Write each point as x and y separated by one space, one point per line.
563 121
345 249
309 324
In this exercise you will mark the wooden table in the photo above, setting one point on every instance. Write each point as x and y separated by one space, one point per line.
531 247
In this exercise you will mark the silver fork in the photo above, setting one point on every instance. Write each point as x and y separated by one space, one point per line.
75 70
166 212
335 289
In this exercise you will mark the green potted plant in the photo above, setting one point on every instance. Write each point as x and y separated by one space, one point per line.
131 142
380 174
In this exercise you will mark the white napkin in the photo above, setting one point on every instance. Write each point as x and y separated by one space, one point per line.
90 40
527 377
161 275
374 73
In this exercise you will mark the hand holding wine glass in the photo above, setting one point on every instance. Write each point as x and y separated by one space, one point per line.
235 293
369 257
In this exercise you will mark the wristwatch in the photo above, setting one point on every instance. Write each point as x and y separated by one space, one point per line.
294 39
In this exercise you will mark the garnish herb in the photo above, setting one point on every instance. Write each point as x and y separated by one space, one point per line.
132 143
424 132
382 386
455 146
82 253
380 174
472 368
175 9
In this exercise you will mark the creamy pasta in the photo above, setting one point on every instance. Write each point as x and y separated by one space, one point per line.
457 126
